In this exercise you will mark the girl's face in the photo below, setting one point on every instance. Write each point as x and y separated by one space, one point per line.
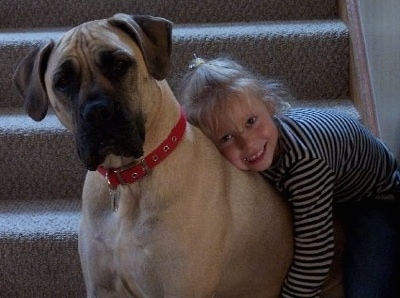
246 134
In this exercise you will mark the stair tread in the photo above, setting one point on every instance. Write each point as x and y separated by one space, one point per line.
72 12
265 27
42 156
18 122
38 243
28 219
12 35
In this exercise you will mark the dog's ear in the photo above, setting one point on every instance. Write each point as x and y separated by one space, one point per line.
29 80
154 37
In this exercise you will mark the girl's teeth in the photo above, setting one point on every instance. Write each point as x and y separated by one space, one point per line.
255 156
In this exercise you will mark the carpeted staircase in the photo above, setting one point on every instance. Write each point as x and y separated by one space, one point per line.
303 43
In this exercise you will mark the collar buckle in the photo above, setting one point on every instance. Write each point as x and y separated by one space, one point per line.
146 168
136 174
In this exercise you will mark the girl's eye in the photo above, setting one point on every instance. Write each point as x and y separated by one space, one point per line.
251 121
225 139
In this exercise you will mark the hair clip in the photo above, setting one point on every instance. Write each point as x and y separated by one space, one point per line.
196 62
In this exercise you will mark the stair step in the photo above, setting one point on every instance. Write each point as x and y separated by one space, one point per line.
39 249
39 159
312 57
73 12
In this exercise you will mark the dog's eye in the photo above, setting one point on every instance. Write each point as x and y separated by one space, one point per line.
115 64
119 67
63 83
65 78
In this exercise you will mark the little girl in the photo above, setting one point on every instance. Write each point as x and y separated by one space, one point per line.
318 160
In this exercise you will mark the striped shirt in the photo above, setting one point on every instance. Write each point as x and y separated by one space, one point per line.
326 158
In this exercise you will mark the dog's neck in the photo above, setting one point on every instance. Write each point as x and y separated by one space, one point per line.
137 170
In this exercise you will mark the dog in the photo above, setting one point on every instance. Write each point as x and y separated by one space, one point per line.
163 213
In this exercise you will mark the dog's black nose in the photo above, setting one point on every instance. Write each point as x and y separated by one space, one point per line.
98 112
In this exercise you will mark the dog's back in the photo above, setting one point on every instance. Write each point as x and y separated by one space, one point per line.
256 238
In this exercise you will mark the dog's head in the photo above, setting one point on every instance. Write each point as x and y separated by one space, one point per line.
96 77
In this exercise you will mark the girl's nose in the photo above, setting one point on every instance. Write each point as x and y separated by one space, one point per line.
244 140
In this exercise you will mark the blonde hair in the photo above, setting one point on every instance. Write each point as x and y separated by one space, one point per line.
210 83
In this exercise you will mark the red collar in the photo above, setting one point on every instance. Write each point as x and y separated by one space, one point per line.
138 170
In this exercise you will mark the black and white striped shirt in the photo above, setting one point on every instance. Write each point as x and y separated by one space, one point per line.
325 158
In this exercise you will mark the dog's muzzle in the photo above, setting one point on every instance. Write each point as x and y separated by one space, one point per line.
104 128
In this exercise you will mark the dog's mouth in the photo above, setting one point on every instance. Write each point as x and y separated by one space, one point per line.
118 138
93 153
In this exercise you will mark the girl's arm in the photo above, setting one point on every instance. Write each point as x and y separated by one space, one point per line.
309 188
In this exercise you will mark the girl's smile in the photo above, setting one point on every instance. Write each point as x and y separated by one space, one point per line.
255 157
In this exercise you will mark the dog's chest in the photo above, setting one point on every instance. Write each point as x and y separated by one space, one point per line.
131 245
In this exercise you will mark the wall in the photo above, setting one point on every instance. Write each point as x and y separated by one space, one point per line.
380 21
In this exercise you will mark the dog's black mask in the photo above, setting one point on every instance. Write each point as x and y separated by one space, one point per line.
104 128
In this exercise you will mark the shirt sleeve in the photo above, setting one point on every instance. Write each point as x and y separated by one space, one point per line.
309 188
